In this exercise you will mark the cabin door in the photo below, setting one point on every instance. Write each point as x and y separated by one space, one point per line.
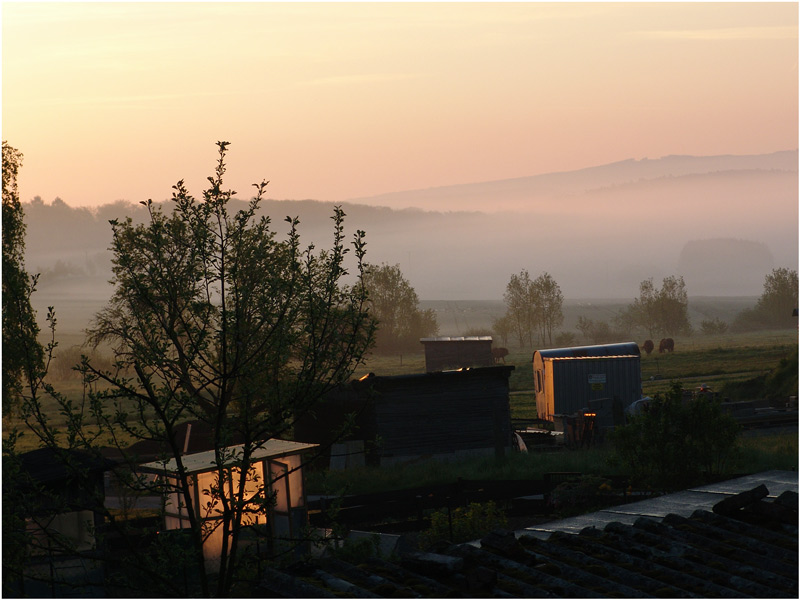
280 521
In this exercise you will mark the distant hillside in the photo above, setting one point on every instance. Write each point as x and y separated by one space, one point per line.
529 193
604 231
62 241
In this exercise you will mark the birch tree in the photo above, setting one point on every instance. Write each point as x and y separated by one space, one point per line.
548 301
520 307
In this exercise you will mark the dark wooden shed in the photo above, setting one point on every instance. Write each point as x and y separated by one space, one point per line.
62 481
58 497
442 353
443 415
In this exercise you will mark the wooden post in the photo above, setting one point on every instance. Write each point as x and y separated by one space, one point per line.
499 442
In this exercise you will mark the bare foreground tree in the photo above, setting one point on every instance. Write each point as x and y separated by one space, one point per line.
214 319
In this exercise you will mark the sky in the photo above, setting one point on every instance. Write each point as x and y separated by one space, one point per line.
333 101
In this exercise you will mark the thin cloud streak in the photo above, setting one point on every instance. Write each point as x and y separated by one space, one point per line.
140 101
732 33
366 78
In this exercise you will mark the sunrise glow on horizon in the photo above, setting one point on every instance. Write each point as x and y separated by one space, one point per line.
332 101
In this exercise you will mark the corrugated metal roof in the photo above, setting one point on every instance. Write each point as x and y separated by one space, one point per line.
621 349
373 379
560 358
470 338
206 461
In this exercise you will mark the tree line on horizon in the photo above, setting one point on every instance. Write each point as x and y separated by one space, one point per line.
534 312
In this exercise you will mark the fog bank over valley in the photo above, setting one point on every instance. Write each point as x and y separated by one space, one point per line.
721 222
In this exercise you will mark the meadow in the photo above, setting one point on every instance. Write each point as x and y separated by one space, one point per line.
699 359
765 452
710 360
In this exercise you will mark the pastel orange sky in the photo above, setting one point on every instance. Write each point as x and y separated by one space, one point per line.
335 101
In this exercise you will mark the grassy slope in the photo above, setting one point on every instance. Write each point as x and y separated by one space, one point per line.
713 360
766 357
779 383
753 455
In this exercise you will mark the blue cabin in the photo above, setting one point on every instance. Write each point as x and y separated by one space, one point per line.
566 380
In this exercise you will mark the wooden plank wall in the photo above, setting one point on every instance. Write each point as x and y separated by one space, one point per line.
441 413
454 354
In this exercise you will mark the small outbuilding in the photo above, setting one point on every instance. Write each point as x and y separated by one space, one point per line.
443 415
605 378
60 497
443 353
276 470
68 490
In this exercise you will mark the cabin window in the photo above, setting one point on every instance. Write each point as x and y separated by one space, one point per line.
539 386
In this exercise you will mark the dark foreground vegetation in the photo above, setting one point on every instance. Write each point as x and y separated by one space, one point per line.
753 454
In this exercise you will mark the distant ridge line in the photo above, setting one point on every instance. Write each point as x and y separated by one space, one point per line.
615 172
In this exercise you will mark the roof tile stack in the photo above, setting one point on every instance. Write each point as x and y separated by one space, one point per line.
746 547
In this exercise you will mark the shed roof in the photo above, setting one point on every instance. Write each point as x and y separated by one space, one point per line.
597 358
683 503
621 349
451 374
469 338
206 461
58 465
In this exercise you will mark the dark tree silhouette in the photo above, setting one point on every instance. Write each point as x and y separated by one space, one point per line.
395 306
213 319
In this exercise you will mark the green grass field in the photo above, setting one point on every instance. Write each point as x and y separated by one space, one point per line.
710 360
753 455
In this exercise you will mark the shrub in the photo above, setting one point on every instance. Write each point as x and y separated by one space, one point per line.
677 443
357 550
463 524
749 320
581 494
780 382
713 326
